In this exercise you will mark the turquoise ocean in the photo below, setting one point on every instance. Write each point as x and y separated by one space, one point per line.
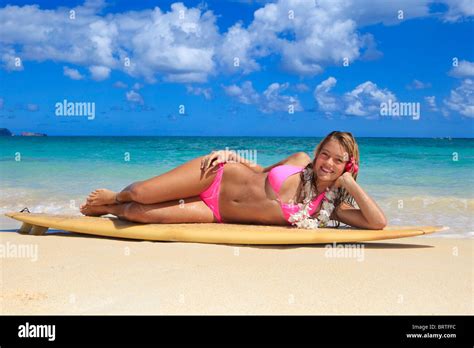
416 181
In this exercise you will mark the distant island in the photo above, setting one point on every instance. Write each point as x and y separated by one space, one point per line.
32 134
6 132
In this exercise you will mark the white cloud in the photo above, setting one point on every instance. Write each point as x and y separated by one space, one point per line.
157 44
206 92
32 107
326 101
99 73
186 77
181 49
417 84
431 101
464 69
120 84
461 99
9 60
445 112
236 51
50 34
134 97
302 87
274 101
309 35
184 44
318 36
270 101
371 52
367 12
137 86
365 99
73 74
245 94
459 9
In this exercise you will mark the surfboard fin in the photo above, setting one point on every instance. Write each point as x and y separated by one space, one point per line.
25 228
38 230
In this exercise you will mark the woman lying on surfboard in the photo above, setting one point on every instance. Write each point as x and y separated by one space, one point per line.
223 187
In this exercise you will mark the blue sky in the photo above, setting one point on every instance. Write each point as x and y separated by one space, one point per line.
303 69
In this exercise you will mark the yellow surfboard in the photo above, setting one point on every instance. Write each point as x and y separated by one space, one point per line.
215 233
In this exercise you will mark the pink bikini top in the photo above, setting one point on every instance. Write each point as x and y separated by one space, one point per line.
277 176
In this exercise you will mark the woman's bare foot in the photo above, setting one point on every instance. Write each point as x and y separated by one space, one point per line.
93 210
101 197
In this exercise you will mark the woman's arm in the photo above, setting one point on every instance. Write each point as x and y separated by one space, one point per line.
299 158
368 216
223 156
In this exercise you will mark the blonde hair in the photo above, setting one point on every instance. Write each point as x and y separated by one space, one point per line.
348 142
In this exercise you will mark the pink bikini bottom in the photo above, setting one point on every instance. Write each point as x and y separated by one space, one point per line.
211 195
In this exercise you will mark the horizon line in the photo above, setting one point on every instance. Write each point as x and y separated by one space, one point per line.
240 136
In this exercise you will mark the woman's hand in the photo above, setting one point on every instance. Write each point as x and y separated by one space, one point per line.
342 180
369 215
216 157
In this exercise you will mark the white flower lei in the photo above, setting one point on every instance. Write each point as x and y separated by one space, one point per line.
302 218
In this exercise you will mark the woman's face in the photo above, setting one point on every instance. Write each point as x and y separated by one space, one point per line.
331 161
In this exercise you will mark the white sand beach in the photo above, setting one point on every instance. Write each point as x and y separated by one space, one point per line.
78 274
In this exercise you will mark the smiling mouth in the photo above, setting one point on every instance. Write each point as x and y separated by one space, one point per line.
326 171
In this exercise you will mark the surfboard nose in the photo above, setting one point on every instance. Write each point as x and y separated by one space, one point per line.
11 213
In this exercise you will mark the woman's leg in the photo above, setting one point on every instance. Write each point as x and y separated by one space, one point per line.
188 210
184 181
